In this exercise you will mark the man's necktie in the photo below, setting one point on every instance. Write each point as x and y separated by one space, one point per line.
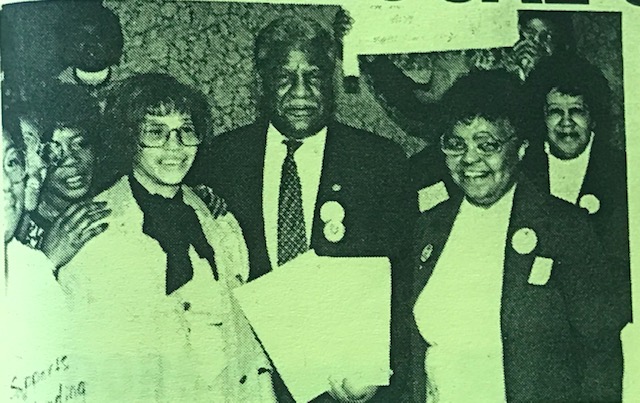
292 236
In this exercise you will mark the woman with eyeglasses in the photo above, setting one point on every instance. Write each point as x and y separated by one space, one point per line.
160 276
65 218
506 295
33 311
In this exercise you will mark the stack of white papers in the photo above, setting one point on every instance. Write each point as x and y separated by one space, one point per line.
320 317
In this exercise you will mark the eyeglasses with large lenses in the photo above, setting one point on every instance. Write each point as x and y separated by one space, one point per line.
158 135
13 165
54 152
456 146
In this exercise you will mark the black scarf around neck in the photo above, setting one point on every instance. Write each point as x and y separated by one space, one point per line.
175 226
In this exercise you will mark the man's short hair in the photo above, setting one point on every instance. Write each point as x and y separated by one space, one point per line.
150 93
572 75
274 42
494 95
85 18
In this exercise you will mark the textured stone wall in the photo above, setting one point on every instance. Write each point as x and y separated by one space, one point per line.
209 45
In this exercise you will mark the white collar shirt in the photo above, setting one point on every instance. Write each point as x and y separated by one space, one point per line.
566 176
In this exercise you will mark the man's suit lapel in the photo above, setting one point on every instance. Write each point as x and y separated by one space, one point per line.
332 156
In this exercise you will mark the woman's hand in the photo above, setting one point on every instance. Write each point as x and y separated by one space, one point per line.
216 204
34 164
346 391
77 225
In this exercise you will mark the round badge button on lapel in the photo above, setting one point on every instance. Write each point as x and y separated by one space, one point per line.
332 211
590 203
524 241
334 231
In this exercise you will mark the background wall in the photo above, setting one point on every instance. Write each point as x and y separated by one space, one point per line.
209 45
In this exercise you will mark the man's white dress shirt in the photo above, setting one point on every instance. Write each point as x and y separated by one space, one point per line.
458 312
309 162
566 176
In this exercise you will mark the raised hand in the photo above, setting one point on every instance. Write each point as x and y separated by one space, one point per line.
71 231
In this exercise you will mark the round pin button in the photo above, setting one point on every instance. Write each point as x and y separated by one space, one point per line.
524 241
590 203
334 231
331 211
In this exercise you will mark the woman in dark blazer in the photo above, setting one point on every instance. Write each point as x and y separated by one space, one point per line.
504 293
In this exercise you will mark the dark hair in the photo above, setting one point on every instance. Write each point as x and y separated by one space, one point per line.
150 93
561 23
90 18
67 106
274 42
572 75
11 126
495 95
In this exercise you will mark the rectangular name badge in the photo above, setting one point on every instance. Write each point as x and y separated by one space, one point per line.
540 270
431 196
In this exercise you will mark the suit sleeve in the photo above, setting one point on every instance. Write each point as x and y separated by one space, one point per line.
587 286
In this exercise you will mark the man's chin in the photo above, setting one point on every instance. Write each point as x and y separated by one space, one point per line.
301 128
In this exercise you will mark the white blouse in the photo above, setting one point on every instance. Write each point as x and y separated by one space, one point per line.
461 302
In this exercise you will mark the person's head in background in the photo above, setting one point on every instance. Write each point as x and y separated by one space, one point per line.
542 34
157 124
93 41
483 134
70 144
296 58
14 174
571 102
28 115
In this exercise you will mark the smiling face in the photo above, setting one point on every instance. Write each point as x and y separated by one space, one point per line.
71 176
486 176
299 94
13 185
568 123
163 167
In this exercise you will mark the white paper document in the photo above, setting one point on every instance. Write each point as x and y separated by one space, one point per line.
321 317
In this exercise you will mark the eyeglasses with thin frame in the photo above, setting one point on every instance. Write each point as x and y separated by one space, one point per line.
54 152
13 165
456 146
157 136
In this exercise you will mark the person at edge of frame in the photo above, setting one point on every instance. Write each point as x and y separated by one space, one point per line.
505 293
64 219
542 34
347 199
176 328
29 294
571 155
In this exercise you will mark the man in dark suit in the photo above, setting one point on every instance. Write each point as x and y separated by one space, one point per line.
345 196
506 292
574 160
296 179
